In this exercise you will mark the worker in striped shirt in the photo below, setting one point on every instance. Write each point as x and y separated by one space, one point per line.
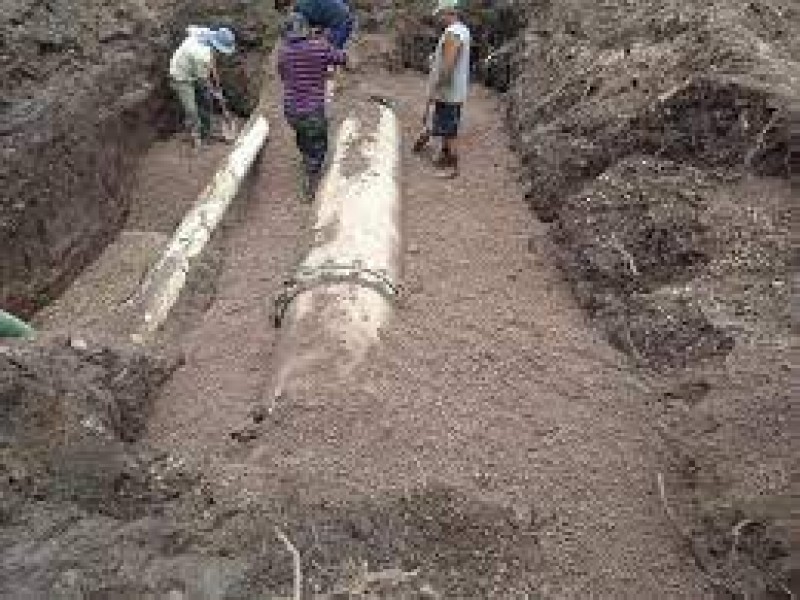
303 62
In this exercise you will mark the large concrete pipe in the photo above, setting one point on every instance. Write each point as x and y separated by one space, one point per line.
341 295
163 284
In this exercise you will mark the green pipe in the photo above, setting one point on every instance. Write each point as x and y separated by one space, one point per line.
11 326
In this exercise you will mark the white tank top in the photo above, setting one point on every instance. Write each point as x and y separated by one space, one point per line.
458 89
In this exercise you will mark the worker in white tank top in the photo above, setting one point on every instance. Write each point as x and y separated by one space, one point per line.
448 85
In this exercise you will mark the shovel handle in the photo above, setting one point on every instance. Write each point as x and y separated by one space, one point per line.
220 98
426 115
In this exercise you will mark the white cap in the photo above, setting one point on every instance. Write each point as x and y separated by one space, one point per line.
446 5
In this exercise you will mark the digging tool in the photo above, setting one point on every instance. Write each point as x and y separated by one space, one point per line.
384 101
228 122
425 134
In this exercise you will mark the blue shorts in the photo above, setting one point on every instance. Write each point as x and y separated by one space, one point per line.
446 119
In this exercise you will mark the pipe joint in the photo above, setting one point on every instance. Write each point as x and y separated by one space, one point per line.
309 277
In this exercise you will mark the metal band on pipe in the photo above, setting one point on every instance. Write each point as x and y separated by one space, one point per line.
310 277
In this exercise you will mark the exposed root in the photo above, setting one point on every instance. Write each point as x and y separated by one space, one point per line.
687 539
298 569
364 582
761 140
277 395
615 243
736 532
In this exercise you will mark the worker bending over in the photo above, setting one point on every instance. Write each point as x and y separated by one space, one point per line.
194 77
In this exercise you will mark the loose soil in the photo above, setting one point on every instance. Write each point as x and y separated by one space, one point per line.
488 390
656 138
495 441
83 94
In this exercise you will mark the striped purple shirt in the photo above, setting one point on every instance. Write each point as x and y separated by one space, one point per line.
303 65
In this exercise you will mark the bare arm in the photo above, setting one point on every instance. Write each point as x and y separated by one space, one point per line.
450 50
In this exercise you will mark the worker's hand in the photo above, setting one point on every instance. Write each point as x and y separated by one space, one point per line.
217 94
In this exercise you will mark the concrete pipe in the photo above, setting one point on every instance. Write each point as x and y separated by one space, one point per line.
163 284
342 294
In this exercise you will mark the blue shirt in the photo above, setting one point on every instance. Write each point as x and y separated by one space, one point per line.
326 14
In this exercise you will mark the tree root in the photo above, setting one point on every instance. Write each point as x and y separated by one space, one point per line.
297 560
722 584
687 539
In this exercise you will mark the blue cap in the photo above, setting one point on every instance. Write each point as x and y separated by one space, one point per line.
223 40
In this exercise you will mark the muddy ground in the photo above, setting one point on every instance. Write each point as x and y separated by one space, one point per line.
495 442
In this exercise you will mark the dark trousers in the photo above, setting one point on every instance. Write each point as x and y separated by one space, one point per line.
195 99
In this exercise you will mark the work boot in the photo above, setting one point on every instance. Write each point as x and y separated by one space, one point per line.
446 166
313 185
421 142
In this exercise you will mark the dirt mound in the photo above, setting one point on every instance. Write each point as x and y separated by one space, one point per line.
656 139
87 510
635 125
624 237
74 483
83 93
204 546
71 409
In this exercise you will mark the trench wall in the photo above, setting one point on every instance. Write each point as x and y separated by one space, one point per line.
84 93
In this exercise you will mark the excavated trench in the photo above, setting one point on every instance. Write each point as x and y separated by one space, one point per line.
84 97
656 140
505 452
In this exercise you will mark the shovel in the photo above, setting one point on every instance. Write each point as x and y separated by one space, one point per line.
425 135
228 122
